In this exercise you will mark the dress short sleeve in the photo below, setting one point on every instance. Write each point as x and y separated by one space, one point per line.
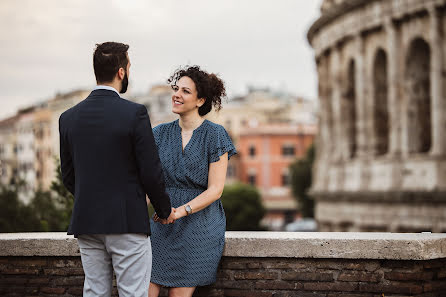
219 144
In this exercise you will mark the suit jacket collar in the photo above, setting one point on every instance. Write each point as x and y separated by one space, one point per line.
103 93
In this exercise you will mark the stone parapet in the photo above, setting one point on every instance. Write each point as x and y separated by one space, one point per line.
330 245
255 264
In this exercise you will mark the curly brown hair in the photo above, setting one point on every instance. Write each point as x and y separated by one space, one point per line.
209 86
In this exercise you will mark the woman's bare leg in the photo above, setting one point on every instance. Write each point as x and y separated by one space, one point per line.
154 290
181 292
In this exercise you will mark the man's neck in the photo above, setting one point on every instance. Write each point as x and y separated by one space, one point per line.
113 84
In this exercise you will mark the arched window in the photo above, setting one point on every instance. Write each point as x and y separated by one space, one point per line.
380 108
418 97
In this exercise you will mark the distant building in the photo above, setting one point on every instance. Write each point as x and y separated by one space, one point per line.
270 130
381 151
8 150
265 154
29 143
59 104
158 102
263 106
44 161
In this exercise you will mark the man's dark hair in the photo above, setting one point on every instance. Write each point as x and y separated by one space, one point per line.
108 57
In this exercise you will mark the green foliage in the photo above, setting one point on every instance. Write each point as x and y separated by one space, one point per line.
47 211
49 215
243 207
301 172
14 215
151 210
63 198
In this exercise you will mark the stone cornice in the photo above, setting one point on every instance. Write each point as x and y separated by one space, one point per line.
338 24
328 245
333 13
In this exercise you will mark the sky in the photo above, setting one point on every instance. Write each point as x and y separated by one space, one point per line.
46 46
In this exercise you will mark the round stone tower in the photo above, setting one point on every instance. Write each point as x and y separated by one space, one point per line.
381 150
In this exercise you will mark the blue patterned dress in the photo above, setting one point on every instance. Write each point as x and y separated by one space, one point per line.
187 253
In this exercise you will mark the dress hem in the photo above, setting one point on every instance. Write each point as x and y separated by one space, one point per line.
170 285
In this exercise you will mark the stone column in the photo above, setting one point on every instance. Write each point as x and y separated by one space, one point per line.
321 148
362 121
324 137
436 67
337 140
394 79
326 109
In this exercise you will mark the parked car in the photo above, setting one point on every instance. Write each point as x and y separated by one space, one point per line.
302 225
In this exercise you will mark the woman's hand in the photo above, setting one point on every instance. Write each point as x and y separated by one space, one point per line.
180 212
170 220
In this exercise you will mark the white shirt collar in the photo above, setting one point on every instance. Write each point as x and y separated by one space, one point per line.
102 87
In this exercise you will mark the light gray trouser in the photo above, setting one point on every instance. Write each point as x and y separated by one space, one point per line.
129 255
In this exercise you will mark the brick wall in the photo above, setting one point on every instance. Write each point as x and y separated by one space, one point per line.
246 276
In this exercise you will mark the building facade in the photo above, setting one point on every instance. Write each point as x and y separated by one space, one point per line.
8 150
264 106
381 150
270 130
158 102
265 155
29 144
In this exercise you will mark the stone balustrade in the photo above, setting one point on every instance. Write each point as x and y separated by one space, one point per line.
256 264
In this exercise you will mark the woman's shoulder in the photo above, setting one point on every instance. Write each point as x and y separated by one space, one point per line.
164 126
216 132
215 127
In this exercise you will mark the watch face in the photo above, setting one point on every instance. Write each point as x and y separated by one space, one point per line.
188 209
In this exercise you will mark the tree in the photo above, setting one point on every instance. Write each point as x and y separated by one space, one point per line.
48 214
243 207
301 172
47 211
14 215
63 197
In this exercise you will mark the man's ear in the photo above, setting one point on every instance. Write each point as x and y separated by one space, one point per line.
121 73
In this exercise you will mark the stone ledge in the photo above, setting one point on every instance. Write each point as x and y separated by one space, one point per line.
392 197
323 245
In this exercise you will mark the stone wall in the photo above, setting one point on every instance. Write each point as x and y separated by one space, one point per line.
256 264
63 276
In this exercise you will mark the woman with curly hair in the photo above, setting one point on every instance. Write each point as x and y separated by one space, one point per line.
194 153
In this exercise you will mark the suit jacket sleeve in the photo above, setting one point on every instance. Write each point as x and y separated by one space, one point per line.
66 160
149 165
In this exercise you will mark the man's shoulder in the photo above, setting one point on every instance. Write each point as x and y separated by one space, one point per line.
67 113
125 103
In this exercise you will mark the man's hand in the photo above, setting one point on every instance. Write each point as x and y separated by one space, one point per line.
170 220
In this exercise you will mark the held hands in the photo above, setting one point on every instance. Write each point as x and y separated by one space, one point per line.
170 220
177 213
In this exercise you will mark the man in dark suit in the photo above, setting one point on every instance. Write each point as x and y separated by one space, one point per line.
109 163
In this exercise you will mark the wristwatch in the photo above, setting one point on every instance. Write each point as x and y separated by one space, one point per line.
188 209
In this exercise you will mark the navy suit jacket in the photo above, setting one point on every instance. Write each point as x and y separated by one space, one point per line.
109 162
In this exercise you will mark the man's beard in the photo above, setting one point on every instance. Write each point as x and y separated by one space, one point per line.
124 84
